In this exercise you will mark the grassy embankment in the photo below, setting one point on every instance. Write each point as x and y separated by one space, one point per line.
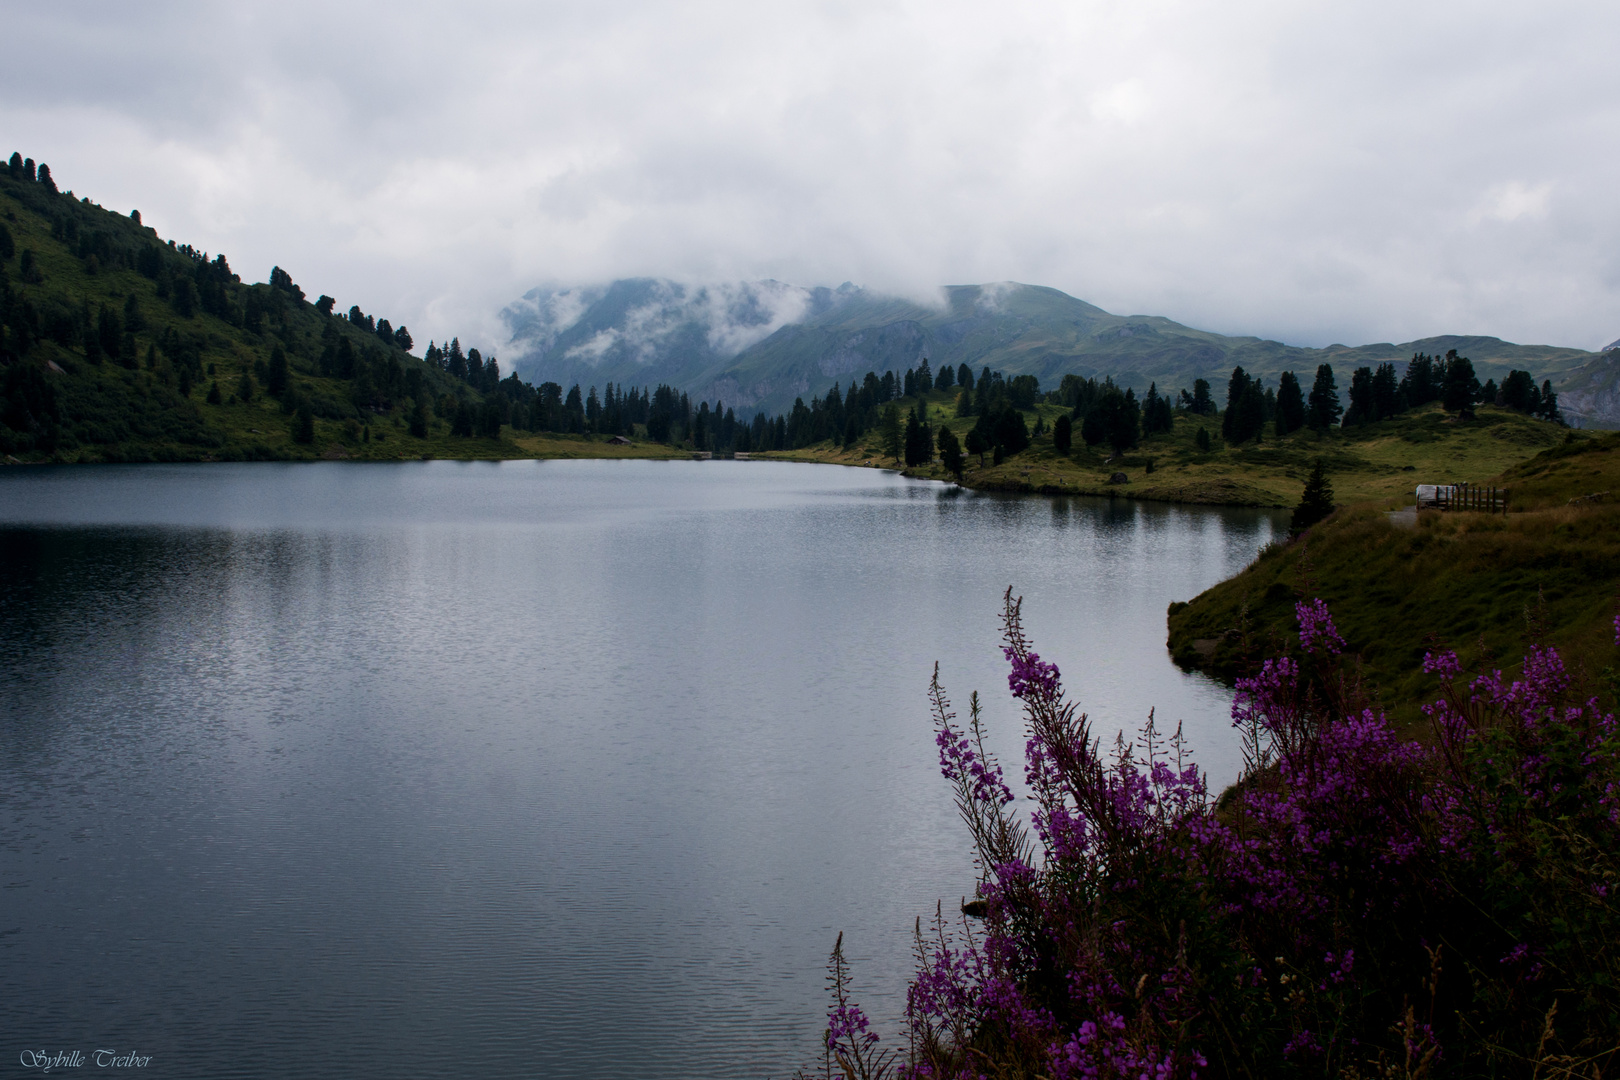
1483 584
154 405
1379 461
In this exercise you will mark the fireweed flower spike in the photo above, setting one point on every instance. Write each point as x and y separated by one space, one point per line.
1357 904
1316 629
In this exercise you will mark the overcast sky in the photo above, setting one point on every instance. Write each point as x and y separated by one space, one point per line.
1314 172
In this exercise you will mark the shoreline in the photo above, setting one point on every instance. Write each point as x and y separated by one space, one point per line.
1207 493
1017 477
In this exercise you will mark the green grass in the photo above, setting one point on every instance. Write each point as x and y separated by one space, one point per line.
1485 585
1384 461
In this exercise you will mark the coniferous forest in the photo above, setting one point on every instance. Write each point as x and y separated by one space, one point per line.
117 345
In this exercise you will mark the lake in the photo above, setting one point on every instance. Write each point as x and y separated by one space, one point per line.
561 769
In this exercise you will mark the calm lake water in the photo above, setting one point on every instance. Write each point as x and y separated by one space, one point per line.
553 769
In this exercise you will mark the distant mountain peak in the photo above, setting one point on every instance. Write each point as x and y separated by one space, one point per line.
761 344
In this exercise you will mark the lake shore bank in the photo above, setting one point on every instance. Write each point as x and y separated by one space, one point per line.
1485 584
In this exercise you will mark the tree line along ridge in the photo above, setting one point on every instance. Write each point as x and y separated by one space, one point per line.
117 345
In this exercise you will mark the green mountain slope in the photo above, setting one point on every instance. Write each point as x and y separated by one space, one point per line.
118 346
1033 330
644 331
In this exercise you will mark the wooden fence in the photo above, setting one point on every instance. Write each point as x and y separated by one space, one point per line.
1486 500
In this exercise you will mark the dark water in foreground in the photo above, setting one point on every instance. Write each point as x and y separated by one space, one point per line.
565 769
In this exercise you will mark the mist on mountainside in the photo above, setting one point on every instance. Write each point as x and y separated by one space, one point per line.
759 345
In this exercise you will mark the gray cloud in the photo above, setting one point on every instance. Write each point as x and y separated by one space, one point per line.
1314 172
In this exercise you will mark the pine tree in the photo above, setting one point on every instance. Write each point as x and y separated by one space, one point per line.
1201 402
132 314
1420 385
489 419
1290 404
1386 392
950 451
977 444
1459 389
1236 386
1361 397
303 424
1518 392
1322 407
1315 502
275 380
891 430
1549 403
1062 434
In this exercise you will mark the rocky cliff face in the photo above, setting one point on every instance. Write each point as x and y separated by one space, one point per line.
1590 395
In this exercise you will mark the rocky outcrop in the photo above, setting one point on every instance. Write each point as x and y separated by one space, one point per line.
1590 395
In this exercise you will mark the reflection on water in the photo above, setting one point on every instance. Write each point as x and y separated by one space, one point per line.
566 769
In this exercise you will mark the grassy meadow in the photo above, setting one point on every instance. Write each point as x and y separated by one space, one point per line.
1483 584
1383 461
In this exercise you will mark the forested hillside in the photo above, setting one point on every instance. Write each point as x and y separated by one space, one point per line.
117 345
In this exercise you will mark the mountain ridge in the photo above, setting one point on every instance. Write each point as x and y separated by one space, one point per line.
759 345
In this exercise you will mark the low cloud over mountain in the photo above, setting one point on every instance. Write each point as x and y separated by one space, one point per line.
758 345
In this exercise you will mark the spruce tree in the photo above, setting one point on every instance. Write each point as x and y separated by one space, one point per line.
1322 407
1201 402
1386 392
303 424
276 375
1062 434
977 444
1236 387
1459 389
1315 502
1290 404
891 430
950 451
1361 398
1549 403
1420 385
1518 392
